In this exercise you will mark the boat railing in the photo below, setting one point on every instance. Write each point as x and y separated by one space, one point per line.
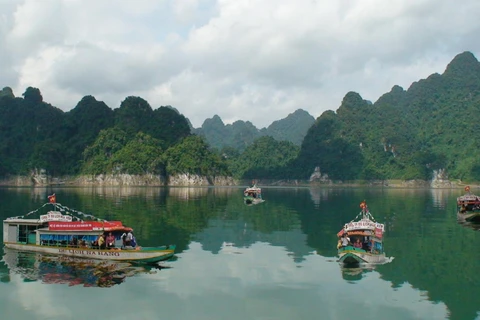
75 214
351 248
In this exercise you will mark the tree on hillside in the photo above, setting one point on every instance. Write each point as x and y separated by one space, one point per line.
194 156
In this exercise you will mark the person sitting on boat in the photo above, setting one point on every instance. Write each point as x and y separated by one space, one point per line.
463 208
366 244
101 241
74 242
110 240
82 243
345 240
357 244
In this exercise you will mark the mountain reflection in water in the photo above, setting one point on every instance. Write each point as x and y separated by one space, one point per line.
72 271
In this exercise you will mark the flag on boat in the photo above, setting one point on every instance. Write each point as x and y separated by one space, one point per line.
52 198
363 204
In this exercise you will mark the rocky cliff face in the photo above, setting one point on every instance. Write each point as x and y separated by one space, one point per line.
39 178
440 180
318 177
120 180
196 180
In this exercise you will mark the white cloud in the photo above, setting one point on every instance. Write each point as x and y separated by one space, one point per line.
243 60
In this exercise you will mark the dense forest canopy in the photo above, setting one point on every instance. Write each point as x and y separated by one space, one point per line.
405 134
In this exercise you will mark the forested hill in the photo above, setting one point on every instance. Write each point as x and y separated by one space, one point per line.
406 134
89 139
241 134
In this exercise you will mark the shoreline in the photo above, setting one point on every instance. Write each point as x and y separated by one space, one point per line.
198 181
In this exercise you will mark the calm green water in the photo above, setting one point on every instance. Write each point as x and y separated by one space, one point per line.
275 260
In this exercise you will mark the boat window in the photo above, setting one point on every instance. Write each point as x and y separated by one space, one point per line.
64 240
24 231
12 233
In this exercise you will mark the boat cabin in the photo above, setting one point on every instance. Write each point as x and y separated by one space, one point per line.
253 192
365 235
468 202
58 230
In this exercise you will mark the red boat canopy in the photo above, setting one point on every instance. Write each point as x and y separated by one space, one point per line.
87 226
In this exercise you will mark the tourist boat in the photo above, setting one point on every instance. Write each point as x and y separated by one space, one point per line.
367 233
57 233
468 207
252 195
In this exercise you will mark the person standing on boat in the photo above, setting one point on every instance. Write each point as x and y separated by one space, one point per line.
133 243
124 240
128 239
345 240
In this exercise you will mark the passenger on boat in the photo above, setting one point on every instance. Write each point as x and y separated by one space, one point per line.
124 240
101 241
74 242
133 243
345 240
357 244
366 244
128 239
463 208
110 240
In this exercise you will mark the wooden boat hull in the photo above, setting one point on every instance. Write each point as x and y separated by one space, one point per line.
473 217
144 255
252 200
356 257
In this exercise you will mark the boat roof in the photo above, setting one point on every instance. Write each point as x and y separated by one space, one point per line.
78 226
468 197
365 223
87 226
22 221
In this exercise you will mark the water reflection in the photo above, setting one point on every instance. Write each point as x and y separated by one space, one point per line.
68 270
258 261
469 225
352 274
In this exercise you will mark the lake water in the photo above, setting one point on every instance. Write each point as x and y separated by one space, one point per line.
275 260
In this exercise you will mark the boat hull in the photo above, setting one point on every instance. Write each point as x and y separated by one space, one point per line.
469 216
356 257
252 200
144 255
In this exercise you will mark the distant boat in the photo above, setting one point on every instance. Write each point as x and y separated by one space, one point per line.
468 207
57 234
252 195
360 240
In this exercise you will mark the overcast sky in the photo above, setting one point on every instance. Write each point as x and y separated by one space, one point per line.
251 60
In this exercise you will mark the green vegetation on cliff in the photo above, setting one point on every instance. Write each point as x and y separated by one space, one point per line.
405 134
